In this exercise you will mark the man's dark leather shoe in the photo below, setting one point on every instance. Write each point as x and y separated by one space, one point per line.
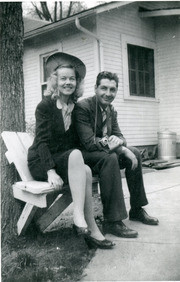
142 216
119 229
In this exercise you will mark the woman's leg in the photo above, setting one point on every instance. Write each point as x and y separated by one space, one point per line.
77 183
88 208
80 182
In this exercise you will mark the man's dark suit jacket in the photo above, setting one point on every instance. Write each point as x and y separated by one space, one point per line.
90 132
106 165
50 136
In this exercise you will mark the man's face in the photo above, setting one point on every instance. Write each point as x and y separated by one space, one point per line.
106 92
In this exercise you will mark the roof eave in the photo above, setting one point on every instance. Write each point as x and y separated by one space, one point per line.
93 11
159 13
55 25
112 5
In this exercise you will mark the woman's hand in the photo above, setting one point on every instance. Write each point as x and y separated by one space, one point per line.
54 179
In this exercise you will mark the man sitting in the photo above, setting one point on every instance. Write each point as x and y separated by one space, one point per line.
104 149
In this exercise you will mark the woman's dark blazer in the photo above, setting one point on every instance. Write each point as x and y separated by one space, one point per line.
50 134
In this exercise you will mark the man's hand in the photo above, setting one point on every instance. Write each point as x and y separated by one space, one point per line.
130 155
116 140
54 179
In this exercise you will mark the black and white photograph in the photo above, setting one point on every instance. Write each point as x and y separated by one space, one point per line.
90 141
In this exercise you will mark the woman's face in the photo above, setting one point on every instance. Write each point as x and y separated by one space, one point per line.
66 81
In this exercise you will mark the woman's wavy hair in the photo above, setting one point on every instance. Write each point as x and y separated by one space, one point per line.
52 85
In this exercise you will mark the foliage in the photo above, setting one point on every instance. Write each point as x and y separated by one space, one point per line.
54 11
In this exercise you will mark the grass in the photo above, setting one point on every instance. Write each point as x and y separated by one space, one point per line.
54 256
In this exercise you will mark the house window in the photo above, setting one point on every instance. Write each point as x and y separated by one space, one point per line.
43 70
141 71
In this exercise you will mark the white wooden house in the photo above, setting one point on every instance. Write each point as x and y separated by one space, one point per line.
140 41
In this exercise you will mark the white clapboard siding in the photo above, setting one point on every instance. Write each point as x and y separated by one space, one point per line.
168 38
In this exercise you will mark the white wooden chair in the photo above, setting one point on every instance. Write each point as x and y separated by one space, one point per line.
34 193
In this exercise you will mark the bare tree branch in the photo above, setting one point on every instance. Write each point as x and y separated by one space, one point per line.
46 12
70 9
55 11
60 12
39 13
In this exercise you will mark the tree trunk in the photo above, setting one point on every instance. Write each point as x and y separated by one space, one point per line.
12 103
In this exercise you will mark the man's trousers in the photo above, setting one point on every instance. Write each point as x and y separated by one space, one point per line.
107 166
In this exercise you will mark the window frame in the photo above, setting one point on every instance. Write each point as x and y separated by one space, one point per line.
41 58
126 39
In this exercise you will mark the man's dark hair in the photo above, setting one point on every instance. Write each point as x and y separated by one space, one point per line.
108 75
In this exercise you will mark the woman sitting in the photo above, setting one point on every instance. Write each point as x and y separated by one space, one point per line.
53 157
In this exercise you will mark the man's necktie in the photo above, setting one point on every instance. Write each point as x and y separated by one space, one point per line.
104 122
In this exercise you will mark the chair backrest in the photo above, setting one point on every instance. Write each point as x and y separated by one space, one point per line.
17 144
